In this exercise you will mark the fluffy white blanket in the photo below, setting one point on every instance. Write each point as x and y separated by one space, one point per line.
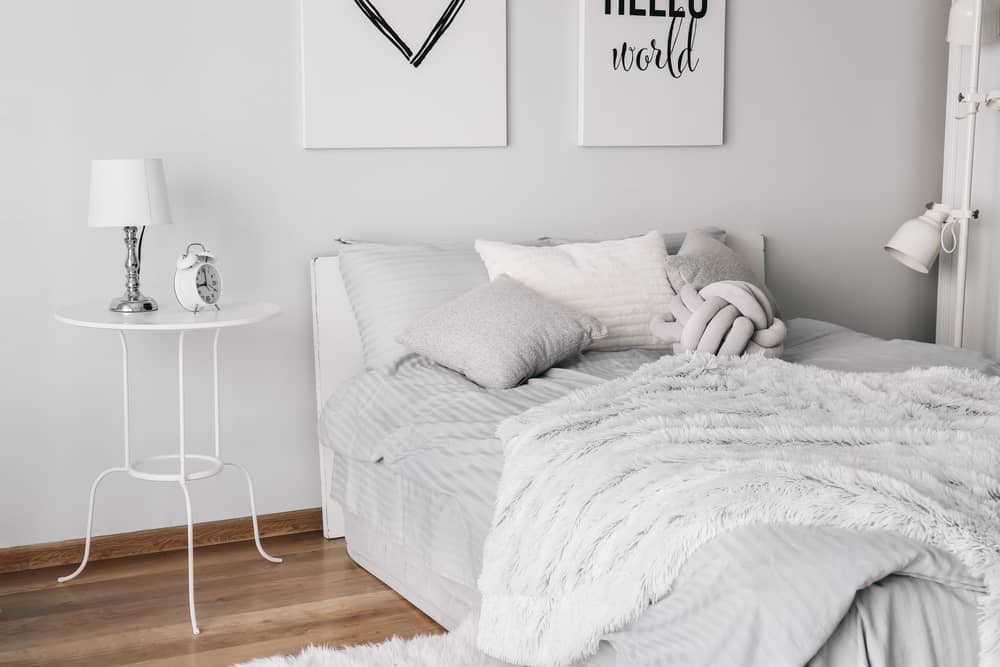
606 492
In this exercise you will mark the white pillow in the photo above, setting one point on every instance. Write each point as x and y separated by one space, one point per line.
622 283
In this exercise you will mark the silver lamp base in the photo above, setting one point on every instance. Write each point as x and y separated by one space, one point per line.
133 301
124 304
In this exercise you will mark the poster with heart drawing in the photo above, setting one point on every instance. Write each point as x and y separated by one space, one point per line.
652 72
404 73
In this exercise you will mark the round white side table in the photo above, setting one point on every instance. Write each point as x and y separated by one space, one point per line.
189 467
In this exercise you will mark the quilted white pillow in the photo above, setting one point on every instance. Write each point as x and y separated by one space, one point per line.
622 283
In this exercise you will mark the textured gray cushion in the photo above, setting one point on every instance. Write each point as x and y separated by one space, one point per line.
502 334
703 260
391 286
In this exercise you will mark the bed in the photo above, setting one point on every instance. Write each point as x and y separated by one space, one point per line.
415 508
338 357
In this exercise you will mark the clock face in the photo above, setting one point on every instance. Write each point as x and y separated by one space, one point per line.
208 284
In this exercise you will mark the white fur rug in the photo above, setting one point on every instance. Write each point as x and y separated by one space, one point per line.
456 649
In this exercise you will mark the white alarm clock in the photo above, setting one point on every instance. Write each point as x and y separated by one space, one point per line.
197 283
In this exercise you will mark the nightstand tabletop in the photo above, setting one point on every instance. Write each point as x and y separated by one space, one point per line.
169 318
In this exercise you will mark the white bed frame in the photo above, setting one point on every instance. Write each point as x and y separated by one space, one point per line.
338 357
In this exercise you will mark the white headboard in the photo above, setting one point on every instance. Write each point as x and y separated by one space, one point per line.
337 343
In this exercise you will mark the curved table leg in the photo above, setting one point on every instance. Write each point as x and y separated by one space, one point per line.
190 532
90 523
253 515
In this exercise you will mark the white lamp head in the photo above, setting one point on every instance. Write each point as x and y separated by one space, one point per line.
917 242
128 193
962 21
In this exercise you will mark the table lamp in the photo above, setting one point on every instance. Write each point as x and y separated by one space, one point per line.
129 194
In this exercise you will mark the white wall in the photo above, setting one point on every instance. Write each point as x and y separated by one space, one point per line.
833 136
982 309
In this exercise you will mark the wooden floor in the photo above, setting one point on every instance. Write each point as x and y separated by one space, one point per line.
133 611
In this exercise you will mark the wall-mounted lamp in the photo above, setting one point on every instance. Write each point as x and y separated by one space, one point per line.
918 241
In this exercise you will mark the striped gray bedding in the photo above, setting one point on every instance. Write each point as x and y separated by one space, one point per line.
783 595
420 460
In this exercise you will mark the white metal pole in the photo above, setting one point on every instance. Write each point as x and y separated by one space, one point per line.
90 523
125 398
253 514
962 260
180 400
190 550
215 385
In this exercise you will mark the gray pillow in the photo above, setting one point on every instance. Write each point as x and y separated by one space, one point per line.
391 286
502 334
703 260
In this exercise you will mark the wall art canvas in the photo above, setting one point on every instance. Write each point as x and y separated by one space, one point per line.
652 72
404 73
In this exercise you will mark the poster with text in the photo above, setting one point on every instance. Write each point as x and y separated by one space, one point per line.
404 73
652 72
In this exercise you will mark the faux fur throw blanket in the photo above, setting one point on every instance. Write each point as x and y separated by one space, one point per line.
606 492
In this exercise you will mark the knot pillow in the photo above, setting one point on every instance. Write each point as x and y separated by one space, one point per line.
727 318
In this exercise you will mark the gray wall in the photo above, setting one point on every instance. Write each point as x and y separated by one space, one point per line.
833 136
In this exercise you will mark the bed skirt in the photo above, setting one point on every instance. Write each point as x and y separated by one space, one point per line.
445 601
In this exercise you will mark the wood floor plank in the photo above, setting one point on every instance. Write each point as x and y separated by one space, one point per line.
339 621
291 645
209 577
214 598
133 611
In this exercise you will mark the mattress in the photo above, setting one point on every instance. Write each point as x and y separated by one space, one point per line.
418 463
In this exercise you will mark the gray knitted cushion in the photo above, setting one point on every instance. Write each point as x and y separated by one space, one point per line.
728 318
703 260
502 334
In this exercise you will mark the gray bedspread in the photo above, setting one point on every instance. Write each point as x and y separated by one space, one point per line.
764 595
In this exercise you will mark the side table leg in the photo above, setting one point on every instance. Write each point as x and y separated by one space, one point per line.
90 523
190 531
253 515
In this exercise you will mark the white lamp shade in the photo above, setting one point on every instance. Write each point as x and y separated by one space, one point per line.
917 243
128 193
962 21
